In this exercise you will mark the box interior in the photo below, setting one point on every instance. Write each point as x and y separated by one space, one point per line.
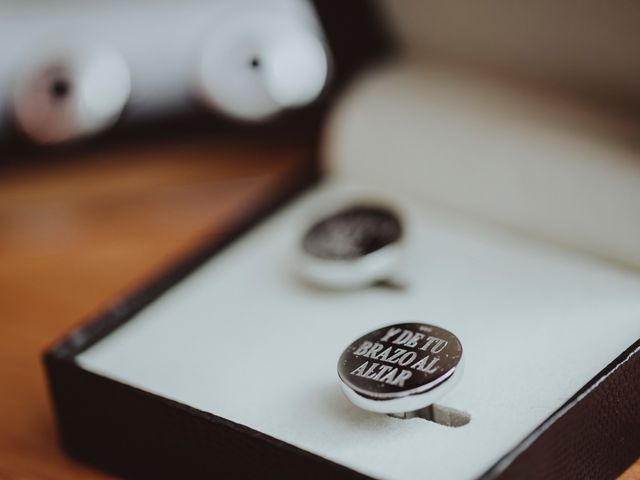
243 339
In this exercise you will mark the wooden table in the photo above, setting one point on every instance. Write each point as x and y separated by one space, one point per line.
78 232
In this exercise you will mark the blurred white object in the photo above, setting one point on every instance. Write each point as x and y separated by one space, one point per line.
161 64
71 93
255 64
560 171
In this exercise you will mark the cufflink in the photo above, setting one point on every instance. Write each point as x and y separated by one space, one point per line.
403 370
256 63
71 93
356 246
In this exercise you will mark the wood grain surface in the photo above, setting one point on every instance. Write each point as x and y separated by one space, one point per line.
78 232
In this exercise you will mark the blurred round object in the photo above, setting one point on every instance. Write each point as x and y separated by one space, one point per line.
71 93
353 247
257 64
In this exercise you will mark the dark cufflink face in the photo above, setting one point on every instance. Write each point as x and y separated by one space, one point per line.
354 247
353 233
400 368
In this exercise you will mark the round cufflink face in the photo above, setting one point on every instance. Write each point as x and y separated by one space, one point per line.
71 93
254 65
353 233
400 368
354 247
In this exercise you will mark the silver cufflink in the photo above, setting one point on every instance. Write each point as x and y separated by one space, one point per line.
356 246
70 93
403 370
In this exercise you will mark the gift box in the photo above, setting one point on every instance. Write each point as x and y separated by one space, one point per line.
523 238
